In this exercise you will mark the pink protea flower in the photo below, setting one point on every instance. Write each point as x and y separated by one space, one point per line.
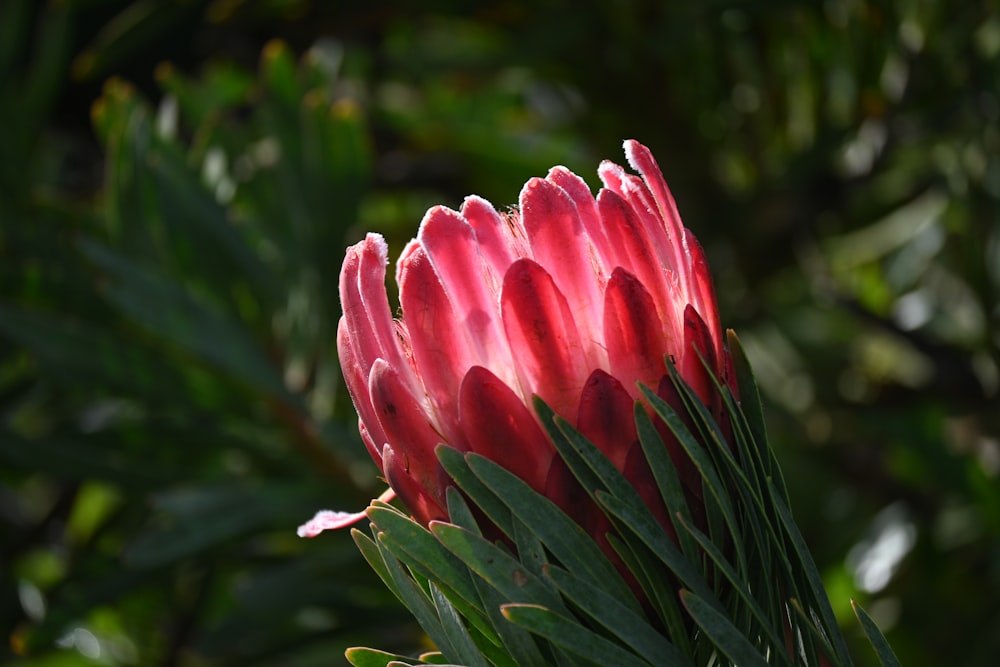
570 297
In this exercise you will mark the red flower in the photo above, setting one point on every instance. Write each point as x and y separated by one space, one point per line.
571 297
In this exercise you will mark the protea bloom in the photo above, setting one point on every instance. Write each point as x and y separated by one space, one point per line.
572 298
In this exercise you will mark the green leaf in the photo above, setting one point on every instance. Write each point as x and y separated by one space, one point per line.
744 590
665 474
369 657
169 311
886 656
560 534
456 465
519 643
713 484
623 623
721 631
418 548
451 624
502 571
416 599
572 637
805 566
658 585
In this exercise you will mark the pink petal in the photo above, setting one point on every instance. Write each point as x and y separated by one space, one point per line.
472 286
640 158
500 240
635 253
356 378
334 520
543 337
499 426
560 244
367 315
635 338
586 208
441 350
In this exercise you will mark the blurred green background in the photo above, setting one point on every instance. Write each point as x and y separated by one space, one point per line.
178 182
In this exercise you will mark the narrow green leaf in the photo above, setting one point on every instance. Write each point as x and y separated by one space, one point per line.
369 657
418 548
806 566
665 474
459 512
560 534
514 581
715 487
465 649
455 464
658 584
624 624
416 600
519 643
744 590
571 636
720 630
885 654
371 553
660 544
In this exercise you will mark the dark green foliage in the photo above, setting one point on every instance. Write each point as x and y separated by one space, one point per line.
176 191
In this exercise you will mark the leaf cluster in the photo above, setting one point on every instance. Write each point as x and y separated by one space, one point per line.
542 592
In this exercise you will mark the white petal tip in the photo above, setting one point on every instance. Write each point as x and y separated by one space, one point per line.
328 520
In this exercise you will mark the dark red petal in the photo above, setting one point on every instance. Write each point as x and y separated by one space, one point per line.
407 427
635 338
703 295
422 504
605 417
698 340
543 337
498 425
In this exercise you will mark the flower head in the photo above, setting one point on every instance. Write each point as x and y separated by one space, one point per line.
572 298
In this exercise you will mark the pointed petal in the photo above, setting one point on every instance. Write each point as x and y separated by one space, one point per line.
471 285
633 334
703 294
367 315
499 245
605 417
698 341
586 207
543 337
640 158
356 379
498 425
560 244
440 346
